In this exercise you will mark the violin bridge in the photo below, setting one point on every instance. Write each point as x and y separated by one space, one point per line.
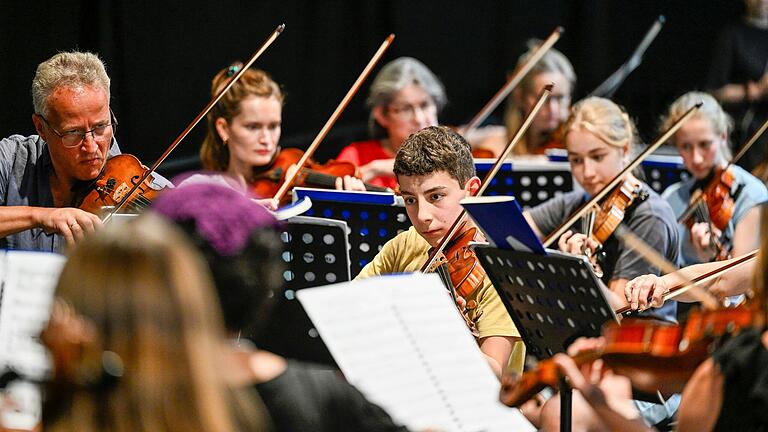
120 192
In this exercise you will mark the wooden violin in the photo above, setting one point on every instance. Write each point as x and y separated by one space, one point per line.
267 180
120 174
656 356
714 203
602 223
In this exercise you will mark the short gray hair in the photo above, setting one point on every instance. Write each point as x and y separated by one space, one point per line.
395 76
68 69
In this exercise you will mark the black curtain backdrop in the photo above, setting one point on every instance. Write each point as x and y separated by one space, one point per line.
162 55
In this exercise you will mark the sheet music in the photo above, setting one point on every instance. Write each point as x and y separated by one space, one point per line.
28 281
400 340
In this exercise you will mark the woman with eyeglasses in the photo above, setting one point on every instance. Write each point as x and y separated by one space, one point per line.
405 97
244 130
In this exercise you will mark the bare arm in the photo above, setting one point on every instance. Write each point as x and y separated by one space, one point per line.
72 223
497 350
702 399
639 290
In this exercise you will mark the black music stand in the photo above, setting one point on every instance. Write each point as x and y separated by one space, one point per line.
373 219
530 182
553 299
316 253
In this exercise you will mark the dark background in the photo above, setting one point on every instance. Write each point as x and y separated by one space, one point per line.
162 55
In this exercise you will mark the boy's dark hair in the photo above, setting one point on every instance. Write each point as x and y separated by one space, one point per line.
432 149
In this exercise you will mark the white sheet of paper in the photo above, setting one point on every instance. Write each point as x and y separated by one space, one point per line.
400 340
28 281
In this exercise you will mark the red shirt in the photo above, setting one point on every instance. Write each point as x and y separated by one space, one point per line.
363 152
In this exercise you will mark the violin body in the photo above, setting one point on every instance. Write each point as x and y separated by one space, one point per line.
614 207
715 205
654 355
267 181
717 195
118 177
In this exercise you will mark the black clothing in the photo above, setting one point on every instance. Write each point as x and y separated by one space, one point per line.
743 362
308 398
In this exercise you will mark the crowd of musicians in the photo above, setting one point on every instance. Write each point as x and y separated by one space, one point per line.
138 340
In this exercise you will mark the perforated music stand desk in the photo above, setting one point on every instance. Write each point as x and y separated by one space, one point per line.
531 182
553 299
315 253
373 219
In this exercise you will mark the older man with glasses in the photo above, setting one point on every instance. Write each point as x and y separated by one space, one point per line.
39 174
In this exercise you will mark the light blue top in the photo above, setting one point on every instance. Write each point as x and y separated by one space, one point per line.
748 190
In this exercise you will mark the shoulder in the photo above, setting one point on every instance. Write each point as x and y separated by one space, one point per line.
753 187
15 143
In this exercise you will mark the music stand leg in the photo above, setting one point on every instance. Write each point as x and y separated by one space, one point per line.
565 406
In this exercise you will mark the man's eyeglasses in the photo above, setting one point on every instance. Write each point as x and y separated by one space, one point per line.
74 138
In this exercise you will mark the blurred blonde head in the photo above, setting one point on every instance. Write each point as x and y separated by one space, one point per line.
148 299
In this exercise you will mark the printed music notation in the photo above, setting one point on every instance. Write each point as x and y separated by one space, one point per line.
401 341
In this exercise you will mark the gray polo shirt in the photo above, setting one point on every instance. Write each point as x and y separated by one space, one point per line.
25 169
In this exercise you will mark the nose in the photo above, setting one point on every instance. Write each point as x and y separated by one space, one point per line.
422 116
696 156
89 144
589 168
265 137
424 213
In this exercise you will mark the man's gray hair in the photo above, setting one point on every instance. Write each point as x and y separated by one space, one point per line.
67 69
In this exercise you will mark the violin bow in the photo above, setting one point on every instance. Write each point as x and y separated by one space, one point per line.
653 257
620 176
698 196
512 82
545 93
197 119
613 82
332 120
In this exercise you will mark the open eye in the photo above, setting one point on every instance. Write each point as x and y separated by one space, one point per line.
409 200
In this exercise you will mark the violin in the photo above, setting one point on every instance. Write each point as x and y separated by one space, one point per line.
656 356
119 176
713 205
460 269
610 214
267 180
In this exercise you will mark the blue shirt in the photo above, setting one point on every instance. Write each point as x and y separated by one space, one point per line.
25 170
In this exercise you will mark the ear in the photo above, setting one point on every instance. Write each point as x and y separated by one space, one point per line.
380 116
38 122
222 128
472 186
